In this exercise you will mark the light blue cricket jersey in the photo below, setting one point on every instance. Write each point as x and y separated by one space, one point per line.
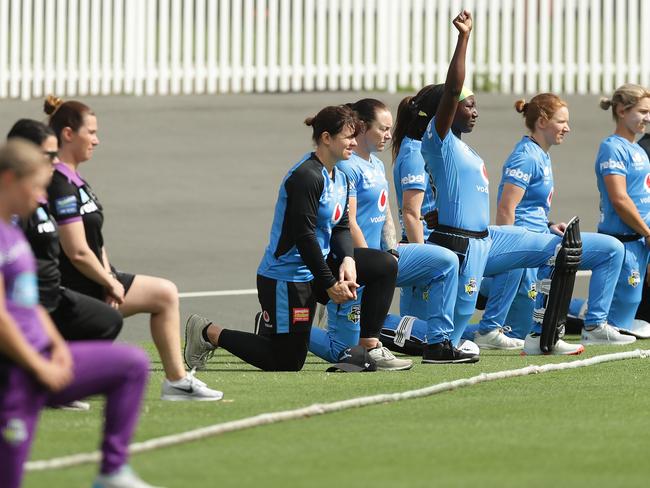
460 178
618 156
368 184
409 173
529 168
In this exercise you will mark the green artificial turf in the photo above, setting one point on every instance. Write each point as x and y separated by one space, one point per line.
584 427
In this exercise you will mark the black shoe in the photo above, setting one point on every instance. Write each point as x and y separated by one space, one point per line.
444 353
411 347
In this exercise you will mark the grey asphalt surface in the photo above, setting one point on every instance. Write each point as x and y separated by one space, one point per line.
189 183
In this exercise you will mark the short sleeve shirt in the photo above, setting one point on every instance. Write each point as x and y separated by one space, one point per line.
72 199
460 178
409 173
529 168
618 156
368 184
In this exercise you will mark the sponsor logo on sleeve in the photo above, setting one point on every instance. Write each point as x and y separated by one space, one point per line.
300 315
612 164
410 179
518 174
66 205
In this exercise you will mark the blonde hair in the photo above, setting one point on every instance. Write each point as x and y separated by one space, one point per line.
627 96
22 157
543 105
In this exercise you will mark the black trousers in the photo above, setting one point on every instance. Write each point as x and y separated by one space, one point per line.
81 317
283 341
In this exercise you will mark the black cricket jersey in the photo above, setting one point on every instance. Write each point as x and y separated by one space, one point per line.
42 233
311 219
73 200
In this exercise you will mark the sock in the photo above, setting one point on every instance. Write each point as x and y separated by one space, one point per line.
204 333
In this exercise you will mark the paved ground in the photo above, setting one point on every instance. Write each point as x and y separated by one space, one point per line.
189 183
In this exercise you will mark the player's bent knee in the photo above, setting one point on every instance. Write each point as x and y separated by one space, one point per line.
167 292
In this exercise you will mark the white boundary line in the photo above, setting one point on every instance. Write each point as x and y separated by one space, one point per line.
253 291
222 293
324 408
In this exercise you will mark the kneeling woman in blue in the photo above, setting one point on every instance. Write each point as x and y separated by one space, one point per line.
525 196
371 226
623 177
462 186
310 258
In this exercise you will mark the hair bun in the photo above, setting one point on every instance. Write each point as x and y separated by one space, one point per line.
521 106
51 104
605 103
309 121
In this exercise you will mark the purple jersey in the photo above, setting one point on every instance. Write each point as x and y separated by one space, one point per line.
18 268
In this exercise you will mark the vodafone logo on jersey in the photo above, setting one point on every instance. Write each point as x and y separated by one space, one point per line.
337 214
646 183
549 198
484 173
382 201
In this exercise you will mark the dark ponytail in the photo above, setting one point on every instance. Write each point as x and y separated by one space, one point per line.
414 115
405 116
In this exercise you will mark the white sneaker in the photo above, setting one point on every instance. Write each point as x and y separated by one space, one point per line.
75 406
122 478
496 339
197 351
189 388
639 329
531 347
386 360
468 347
606 334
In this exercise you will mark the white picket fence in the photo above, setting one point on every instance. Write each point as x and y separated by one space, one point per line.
82 47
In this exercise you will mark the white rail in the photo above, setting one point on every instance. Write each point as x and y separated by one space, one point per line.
147 47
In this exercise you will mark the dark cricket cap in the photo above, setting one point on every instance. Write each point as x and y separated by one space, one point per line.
354 360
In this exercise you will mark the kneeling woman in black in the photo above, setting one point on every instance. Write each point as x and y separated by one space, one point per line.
310 258
77 316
